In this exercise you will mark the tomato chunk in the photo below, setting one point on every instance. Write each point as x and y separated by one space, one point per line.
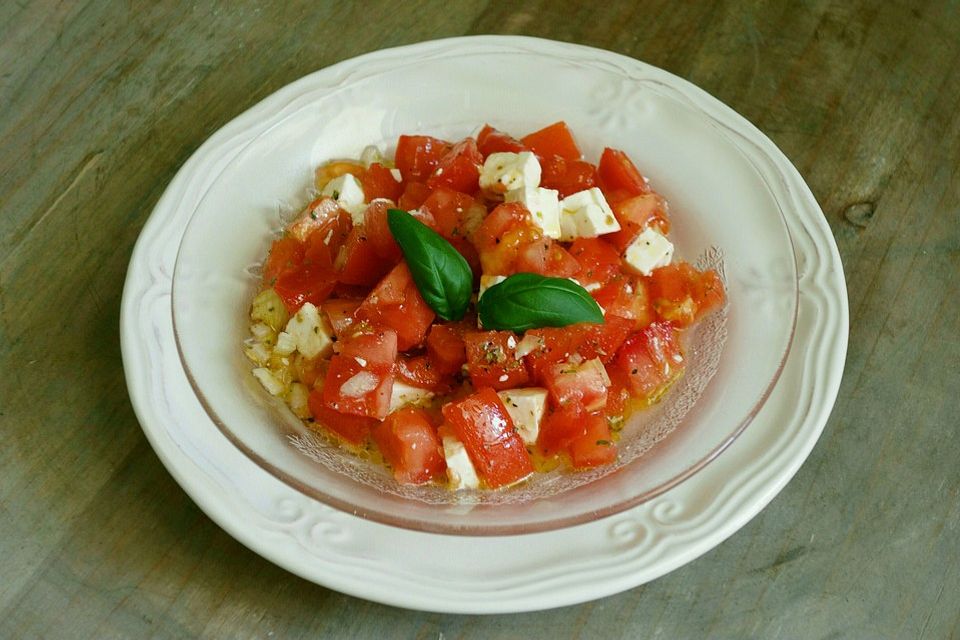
353 429
673 291
567 176
456 215
595 447
635 215
599 261
378 182
446 349
410 444
502 235
459 168
546 257
358 261
651 359
359 380
482 423
617 172
553 140
492 360
581 385
285 253
489 140
396 303
418 156
419 371
626 297
304 283
341 312
414 193
379 234
603 340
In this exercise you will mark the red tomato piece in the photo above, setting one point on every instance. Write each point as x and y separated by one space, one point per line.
482 423
323 244
618 395
626 297
353 429
599 261
419 371
410 444
414 194
554 140
341 315
651 359
635 215
501 236
595 447
582 384
459 168
379 234
456 215
378 182
446 349
305 283
285 253
617 172
318 213
550 346
559 428
396 303
546 257
672 290
603 340
489 140
358 261
492 360
359 380
418 156
567 176
708 292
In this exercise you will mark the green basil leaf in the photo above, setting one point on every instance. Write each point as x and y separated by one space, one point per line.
528 301
441 274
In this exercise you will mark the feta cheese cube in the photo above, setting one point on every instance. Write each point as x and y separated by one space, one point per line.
310 331
543 205
348 192
460 468
586 214
507 171
286 344
649 250
526 408
404 394
269 381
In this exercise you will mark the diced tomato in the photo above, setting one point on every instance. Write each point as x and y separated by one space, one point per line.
567 176
285 253
626 297
672 290
353 429
410 444
618 395
550 346
595 447
456 215
489 140
482 423
323 244
419 371
396 303
708 292
315 215
341 315
360 379
501 236
418 156
492 360
459 168
618 173
636 214
305 283
650 359
378 182
379 234
446 349
560 427
546 257
599 261
603 340
414 193
583 384
358 261
554 140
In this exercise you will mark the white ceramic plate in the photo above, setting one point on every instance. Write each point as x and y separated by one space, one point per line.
491 574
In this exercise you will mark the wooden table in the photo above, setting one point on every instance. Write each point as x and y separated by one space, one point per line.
100 103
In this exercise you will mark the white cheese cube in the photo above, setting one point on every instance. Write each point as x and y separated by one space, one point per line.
460 469
348 192
586 214
526 408
507 171
404 394
310 331
286 344
543 205
648 251
269 381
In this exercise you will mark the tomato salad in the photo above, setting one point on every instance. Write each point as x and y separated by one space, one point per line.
472 312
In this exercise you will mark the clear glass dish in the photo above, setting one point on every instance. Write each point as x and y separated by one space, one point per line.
724 214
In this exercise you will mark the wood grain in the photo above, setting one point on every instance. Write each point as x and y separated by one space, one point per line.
101 102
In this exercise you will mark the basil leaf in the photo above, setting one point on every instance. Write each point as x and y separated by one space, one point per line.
441 274
528 301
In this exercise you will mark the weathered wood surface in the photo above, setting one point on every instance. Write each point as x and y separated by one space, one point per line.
101 102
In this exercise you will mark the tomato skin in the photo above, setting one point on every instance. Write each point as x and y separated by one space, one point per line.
567 176
626 297
482 423
409 442
616 172
305 283
446 349
370 354
316 214
603 340
709 293
417 157
501 236
599 261
582 385
341 313
358 261
595 447
456 215
285 253
650 359
378 182
553 140
396 303
492 361
635 215
378 232
546 257
414 193
353 429
489 140
419 371
459 168
553 345
324 243
561 427
682 295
